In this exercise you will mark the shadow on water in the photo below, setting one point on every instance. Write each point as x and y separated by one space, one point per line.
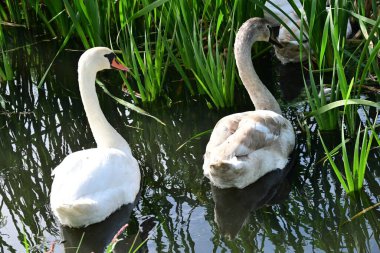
42 126
96 237
233 206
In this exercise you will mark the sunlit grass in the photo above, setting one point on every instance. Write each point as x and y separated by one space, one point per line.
354 170
204 44
353 177
332 63
5 63
344 70
214 71
196 38
149 61
127 104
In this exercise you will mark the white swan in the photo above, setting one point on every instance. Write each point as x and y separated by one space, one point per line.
245 146
91 184
290 51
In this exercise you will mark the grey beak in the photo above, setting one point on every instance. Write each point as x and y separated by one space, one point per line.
273 40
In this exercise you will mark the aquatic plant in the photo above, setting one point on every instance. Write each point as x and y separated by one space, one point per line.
354 171
334 61
148 58
214 71
336 72
5 66
133 248
94 23
340 62
204 44
196 39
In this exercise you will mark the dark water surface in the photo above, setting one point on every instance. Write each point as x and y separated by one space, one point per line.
178 211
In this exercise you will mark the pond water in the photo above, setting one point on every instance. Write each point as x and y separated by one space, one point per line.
303 210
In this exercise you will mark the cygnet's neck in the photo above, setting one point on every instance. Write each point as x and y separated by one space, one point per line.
259 94
105 135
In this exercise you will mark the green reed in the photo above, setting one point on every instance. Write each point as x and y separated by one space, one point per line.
204 41
5 66
344 66
86 19
354 171
195 38
145 50
133 248
213 70
333 60
206 30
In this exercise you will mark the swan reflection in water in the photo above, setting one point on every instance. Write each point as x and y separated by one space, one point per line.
96 237
233 205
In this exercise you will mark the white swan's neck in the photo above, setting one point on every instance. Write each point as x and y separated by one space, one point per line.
105 135
259 94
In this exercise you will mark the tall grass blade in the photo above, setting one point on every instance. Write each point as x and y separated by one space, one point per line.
128 105
340 103
146 9
76 23
346 163
41 82
333 165
194 137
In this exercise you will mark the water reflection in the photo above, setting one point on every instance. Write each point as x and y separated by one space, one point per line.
96 237
291 80
174 191
233 206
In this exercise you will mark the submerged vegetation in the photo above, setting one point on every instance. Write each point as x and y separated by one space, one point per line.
185 49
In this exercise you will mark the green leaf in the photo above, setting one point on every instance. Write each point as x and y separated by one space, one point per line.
66 40
194 137
340 103
333 165
147 9
346 164
128 105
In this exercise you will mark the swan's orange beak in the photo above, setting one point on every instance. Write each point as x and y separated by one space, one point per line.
117 65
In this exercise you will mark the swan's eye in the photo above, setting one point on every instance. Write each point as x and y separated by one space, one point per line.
110 57
269 27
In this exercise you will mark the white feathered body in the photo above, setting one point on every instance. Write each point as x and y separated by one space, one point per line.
91 184
245 146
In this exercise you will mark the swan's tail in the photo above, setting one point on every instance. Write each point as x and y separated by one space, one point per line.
223 165
75 214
